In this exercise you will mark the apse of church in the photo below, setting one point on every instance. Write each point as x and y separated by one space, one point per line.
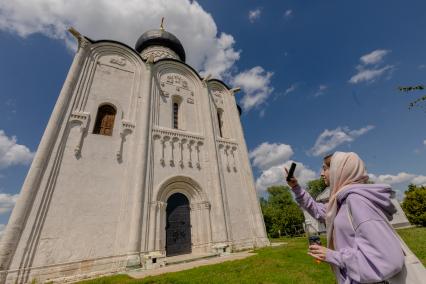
142 159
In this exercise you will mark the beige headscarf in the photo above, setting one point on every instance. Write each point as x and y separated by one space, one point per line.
345 169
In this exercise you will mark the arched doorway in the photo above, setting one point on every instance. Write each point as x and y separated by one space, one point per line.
178 225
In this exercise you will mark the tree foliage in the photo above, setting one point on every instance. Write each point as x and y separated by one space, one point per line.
316 186
414 204
281 213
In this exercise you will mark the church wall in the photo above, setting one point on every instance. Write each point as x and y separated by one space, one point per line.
247 178
174 86
81 194
246 221
187 152
240 217
100 205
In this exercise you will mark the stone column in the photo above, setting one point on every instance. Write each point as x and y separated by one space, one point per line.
207 232
31 184
195 225
142 137
161 207
163 223
152 223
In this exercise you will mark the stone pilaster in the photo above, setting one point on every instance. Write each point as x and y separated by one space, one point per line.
139 196
31 184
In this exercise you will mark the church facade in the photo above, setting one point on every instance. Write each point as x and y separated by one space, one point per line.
141 159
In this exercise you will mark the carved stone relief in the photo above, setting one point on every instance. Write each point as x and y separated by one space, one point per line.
176 84
126 128
83 118
228 151
106 62
200 205
121 61
158 52
217 97
177 146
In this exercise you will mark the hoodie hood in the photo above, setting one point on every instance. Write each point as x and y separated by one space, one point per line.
378 194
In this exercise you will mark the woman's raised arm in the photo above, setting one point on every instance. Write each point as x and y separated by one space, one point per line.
305 200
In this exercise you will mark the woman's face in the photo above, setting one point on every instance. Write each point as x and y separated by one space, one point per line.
325 174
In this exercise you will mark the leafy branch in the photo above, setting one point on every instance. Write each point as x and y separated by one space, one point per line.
408 89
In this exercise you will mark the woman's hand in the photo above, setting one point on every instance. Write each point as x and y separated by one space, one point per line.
317 252
293 181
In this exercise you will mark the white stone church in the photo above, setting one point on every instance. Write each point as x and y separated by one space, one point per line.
141 159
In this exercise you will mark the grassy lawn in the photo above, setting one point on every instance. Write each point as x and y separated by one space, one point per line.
283 264
415 238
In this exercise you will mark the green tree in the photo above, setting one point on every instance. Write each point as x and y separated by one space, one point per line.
281 213
316 186
414 204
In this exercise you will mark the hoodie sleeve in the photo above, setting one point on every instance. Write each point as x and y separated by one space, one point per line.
305 200
376 253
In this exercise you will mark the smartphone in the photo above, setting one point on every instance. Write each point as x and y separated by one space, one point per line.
291 171
314 240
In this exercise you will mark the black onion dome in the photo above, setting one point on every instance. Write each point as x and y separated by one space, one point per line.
162 38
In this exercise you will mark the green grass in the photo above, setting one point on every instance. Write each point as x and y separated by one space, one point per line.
283 264
415 238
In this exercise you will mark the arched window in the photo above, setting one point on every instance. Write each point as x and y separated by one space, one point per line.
220 121
105 120
175 115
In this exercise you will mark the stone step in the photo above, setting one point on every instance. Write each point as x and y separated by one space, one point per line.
186 264
171 260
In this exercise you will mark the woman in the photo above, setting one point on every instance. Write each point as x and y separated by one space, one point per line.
361 246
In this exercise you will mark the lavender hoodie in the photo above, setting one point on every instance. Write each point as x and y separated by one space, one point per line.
370 253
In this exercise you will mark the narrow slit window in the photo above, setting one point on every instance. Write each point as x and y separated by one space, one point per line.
220 122
104 120
175 115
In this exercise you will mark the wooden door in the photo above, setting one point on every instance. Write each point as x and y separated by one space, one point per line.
178 229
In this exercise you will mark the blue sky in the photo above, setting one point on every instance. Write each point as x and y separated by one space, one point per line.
317 76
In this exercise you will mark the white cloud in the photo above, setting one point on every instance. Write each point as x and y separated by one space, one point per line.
290 89
321 90
401 177
207 50
12 153
254 15
267 155
256 85
424 142
369 74
7 202
288 13
272 159
392 179
219 63
419 180
125 21
399 182
374 57
331 139
275 176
